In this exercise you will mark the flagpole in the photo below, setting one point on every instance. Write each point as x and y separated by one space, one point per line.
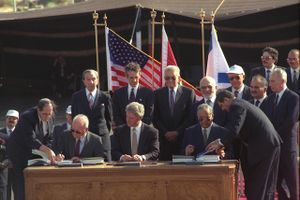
153 16
138 12
202 16
95 17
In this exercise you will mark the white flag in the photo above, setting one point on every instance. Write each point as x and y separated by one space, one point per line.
217 65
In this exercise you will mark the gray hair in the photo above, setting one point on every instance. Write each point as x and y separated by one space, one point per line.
206 107
210 79
82 118
89 71
45 101
173 68
280 73
136 108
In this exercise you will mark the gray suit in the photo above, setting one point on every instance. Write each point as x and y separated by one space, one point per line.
92 146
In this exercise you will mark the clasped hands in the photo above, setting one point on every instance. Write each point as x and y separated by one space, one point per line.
127 157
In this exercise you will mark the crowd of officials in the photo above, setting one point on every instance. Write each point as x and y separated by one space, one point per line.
254 121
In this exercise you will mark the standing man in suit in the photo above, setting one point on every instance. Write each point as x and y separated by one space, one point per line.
79 142
258 89
132 92
205 131
293 71
269 59
283 111
61 128
236 76
96 105
208 90
33 131
172 107
136 140
12 117
260 159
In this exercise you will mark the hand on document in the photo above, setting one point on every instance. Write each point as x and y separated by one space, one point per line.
215 145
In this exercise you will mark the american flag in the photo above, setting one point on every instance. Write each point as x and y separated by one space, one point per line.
119 54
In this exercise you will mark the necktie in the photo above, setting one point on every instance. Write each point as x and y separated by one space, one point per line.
91 100
9 131
257 103
295 77
134 143
132 96
275 102
209 102
268 74
236 93
204 135
171 100
77 148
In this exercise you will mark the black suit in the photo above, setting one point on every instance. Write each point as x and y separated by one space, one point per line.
284 119
262 104
3 172
164 121
92 146
219 115
246 94
260 152
57 133
100 116
294 86
120 101
27 135
261 71
148 144
194 136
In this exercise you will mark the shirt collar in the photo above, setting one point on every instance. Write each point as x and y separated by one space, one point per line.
87 92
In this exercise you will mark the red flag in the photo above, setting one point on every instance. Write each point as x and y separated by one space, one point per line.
168 58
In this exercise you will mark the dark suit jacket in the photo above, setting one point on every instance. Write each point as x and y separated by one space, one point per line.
120 101
27 136
4 136
194 136
92 146
162 118
261 71
290 84
219 115
246 93
57 134
262 104
148 143
285 117
100 116
255 130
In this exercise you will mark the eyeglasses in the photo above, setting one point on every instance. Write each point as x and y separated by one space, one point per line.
266 57
234 77
206 87
170 78
291 59
77 132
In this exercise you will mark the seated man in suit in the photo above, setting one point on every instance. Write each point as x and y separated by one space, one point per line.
236 76
258 90
135 141
79 142
60 128
205 131
132 92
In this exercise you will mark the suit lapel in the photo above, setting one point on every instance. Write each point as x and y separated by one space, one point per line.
71 144
142 139
178 94
85 146
127 139
85 101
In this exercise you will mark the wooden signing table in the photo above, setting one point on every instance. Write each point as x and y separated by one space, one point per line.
154 182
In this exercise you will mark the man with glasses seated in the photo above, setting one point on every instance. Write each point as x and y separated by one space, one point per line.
236 76
79 142
269 59
172 106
